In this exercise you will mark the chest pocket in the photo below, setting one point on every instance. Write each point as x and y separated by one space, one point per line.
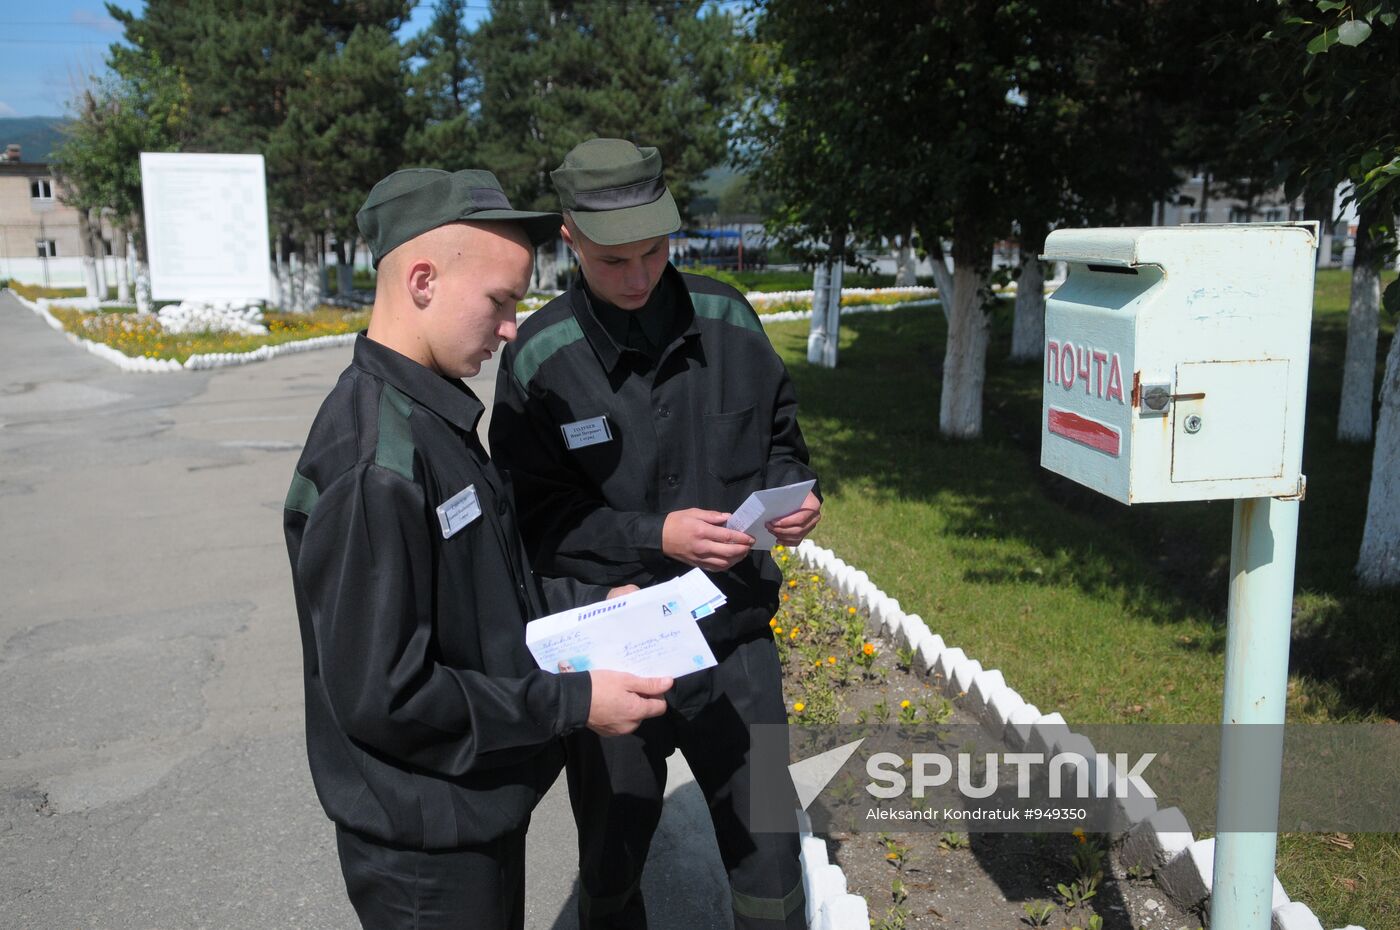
735 449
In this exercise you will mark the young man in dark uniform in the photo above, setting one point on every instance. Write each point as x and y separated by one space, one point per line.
635 411
430 732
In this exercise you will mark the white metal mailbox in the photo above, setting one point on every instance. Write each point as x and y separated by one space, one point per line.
1176 360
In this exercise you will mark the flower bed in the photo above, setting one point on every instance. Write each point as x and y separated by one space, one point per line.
842 667
142 336
801 301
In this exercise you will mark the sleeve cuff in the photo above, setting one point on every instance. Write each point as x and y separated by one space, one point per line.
575 700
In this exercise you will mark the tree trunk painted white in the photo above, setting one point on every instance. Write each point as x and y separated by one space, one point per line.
905 263
344 267
546 267
1028 325
942 279
965 357
282 271
816 333
89 262
99 255
123 278
143 286
1363 330
833 312
1379 562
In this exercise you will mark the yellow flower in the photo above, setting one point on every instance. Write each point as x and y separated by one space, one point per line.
778 548
893 857
792 583
1079 835
799 707
778 630
818 663
773 622
904 704
830 660
850 610
816 578
868 649
787 597
793 634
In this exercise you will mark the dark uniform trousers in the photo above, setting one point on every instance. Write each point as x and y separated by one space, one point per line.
449 889
616 786
700 412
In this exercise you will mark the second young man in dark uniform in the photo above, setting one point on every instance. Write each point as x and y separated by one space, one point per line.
634 412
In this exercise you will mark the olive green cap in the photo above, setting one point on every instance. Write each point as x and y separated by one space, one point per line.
412 201
616 192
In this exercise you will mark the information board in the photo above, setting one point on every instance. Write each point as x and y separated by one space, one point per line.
206 226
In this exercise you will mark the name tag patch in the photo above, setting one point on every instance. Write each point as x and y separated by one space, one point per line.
586 432
458 510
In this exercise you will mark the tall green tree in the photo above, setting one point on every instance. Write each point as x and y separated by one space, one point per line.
442 92
247 76
963 121
1350 73
145 110
553 73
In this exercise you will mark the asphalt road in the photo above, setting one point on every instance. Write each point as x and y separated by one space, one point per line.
152 761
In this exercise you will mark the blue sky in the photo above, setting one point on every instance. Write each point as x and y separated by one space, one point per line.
49 49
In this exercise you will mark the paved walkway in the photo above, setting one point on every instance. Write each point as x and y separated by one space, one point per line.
152 763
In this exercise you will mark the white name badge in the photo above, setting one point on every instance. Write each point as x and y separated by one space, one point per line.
458 510
586 432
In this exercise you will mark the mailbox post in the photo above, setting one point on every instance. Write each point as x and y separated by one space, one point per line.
1176 366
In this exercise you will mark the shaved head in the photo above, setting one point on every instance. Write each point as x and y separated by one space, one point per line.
446 298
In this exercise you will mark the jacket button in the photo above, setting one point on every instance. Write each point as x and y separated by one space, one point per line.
501 506
663 410
672 480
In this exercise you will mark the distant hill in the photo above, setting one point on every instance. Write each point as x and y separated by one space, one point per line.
37 135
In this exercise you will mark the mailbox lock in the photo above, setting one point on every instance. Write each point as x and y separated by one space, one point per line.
1193 423
1156 397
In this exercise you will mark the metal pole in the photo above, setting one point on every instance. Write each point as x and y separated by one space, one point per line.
1263 552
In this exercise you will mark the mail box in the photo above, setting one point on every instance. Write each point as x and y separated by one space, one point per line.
1176 360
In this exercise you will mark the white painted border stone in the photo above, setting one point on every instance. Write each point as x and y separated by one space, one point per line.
1295 915
1152 843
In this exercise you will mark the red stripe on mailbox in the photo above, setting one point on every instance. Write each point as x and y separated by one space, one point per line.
1085 431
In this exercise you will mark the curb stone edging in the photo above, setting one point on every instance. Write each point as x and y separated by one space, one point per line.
144 365
1159 840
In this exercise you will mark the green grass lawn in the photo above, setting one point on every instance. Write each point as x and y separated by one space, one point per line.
1105 613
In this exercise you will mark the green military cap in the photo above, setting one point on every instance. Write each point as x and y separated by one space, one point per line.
616 192
410 202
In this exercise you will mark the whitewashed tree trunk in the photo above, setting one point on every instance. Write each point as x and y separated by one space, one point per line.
905 262
344 267
123 278
143 286
1363 332
1379 562
99 253
965 357
816 334
1028 324
833 311
89 262
546 267
282 271
942 278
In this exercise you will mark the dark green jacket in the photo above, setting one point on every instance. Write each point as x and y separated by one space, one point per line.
713 419
428 724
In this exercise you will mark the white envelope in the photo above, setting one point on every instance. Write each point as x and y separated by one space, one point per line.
651 632
765 506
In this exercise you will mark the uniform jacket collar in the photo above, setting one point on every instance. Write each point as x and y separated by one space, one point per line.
603 344
449 398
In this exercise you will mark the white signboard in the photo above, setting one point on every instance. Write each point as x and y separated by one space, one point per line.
206 226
